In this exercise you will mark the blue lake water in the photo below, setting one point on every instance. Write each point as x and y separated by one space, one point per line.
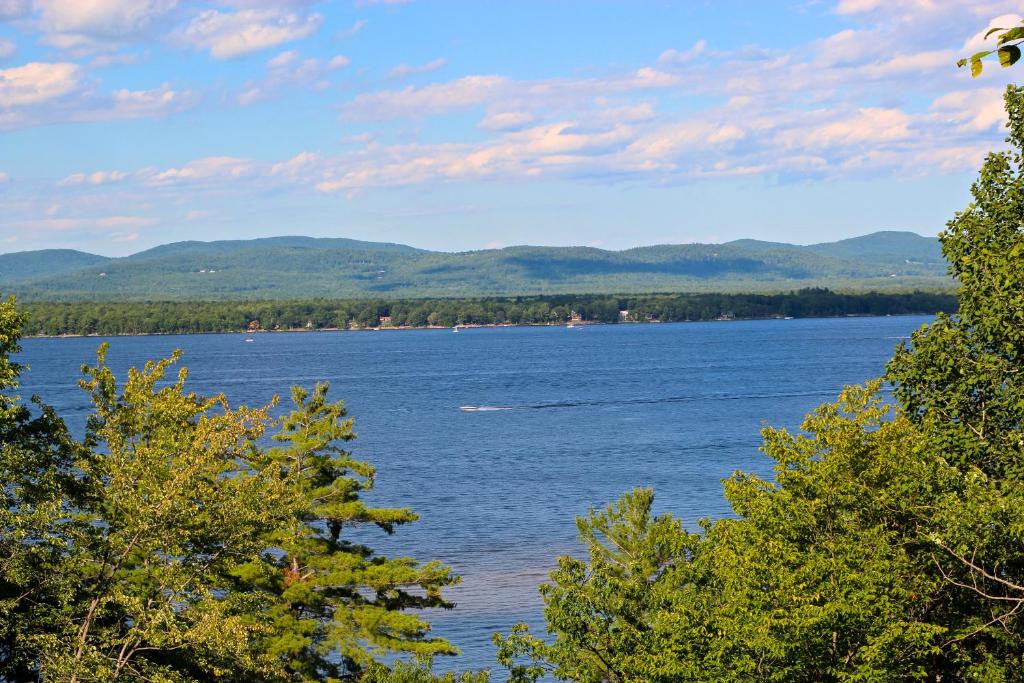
584 415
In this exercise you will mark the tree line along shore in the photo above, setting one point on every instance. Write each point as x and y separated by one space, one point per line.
119 318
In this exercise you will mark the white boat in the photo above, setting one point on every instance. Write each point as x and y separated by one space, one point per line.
249 340
455 329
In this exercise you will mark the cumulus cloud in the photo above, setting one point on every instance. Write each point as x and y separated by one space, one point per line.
426 100
97 24
37 82
506 120
296 166
975 110
290 69
477 90
406 70
676 57
338 62
155 103
864 126
879 96
234 34
208 168
94 178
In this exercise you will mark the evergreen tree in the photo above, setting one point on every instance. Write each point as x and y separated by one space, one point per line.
172 545
335 604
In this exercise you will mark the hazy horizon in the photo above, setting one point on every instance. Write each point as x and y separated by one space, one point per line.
508 246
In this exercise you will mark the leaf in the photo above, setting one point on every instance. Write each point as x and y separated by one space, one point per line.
993 30
980 55
961 62
975 68
1012 34
1009 55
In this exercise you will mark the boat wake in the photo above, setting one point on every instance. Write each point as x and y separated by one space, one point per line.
648 401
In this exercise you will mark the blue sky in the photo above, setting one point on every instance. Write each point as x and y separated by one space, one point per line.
464 125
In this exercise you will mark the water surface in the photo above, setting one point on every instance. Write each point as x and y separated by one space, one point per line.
572 418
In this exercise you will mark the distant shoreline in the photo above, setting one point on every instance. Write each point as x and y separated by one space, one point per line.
108 319
464 327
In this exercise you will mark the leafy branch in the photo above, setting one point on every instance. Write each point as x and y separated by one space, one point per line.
1008 51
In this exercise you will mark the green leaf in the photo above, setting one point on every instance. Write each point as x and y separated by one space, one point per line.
961 62
1012 34
1009 55
993 30
980 55
975 68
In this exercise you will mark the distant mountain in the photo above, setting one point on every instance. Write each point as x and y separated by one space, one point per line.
266 244
304 267
29 265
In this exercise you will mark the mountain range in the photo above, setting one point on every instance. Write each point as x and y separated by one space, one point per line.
306 267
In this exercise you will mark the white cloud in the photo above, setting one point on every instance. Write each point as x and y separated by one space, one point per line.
676 58
338 62
865 126
356 27
507 120
207 168
426 100
498 91
4 178
848 46
406 70
288 69
95 178
295 166
866 6
37 82
978 42
89 25
233 34
975 110
155 103
283 59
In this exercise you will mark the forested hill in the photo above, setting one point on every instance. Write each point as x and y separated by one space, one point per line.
304 267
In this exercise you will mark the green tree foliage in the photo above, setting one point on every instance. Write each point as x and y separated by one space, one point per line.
172 545
609 616
960 380
320 314
889 544
36 454
335 603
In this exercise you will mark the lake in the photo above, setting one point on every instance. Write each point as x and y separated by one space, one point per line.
574 418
